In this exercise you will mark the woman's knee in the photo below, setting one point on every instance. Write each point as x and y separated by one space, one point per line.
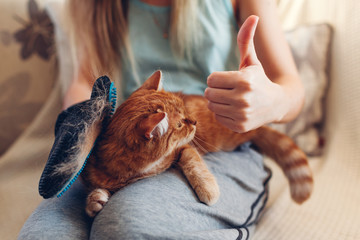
51 221
59 218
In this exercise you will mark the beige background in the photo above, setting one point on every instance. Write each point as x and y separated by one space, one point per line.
333 212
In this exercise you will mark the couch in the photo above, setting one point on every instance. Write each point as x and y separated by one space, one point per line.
34 75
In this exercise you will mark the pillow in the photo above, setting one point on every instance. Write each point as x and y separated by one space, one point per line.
310 46
27 66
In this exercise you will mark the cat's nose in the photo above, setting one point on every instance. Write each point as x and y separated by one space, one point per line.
191 121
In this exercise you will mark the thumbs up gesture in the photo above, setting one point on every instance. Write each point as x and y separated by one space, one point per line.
245 99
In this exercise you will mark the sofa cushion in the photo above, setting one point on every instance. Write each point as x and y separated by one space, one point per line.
310 45
27 65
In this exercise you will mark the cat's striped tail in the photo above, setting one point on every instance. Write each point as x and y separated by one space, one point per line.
290 158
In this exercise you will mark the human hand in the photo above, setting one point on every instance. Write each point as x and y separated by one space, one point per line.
245 99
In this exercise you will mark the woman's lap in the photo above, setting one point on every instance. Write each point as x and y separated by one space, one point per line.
59 218
164 206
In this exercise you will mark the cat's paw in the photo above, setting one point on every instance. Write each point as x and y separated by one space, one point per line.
96 200
208 192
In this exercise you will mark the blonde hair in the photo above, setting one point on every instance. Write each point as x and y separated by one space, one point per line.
100 37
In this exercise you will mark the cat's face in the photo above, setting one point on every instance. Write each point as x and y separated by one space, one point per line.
158 116
168 122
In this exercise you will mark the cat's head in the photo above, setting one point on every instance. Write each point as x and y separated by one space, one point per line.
152 115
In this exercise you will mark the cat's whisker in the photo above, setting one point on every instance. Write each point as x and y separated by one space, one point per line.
211 156
197 144
211 145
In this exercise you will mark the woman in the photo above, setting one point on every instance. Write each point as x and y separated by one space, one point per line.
196 45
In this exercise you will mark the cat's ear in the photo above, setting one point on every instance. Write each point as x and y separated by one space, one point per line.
156 124
153 82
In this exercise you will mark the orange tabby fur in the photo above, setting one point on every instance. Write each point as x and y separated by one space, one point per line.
154 129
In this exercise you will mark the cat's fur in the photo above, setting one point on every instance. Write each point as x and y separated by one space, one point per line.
153 129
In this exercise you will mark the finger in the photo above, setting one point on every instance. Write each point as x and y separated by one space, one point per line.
245 41
229 123
231 111
218 95
224 80
221 109
224 120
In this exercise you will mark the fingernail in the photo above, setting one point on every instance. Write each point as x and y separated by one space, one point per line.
208 80
206 92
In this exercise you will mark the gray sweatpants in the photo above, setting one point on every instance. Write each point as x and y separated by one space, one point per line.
164 206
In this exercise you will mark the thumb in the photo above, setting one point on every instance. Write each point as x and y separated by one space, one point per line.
245 42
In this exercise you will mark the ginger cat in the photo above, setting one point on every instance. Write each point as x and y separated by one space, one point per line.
153 129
